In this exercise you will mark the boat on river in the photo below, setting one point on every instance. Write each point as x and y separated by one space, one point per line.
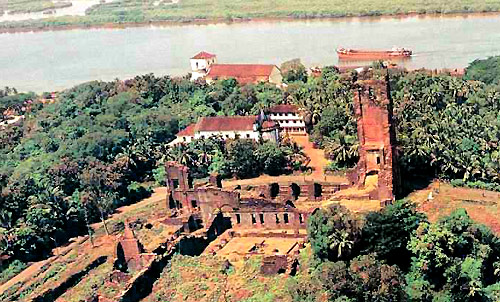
360 54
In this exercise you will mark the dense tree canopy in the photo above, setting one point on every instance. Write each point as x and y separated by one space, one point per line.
398 256
81 155
486 71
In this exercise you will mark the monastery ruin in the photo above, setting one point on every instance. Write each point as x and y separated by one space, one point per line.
280 207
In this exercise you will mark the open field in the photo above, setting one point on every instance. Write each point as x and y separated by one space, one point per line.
206 278
481 205
134 11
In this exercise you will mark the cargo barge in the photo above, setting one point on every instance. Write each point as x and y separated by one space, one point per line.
360 54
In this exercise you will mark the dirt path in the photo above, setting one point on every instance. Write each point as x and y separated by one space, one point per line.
317 156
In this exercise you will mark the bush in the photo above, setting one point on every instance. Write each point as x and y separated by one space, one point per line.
333 232
14 268
487 71
476 185
137 192
387 232
159 175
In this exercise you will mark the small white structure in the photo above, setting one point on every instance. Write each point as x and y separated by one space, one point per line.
229 127
200 64
288 118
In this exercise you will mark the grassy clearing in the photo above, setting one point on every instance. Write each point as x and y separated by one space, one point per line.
205 278
143 11
481 205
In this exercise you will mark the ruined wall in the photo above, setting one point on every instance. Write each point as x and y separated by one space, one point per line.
283 191
272 210
179 186
377 151
211 200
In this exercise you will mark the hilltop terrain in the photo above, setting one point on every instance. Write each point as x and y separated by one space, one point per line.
76 168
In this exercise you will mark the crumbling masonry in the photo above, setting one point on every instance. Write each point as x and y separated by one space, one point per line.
377 166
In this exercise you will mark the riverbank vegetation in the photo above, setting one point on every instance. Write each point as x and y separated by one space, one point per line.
30 6
133 11
486 71
75 158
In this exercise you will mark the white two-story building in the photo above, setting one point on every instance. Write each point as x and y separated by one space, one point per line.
288 118
229 127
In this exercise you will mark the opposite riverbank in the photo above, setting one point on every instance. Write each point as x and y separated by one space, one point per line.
165 13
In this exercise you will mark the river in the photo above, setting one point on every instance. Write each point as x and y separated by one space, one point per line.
53 60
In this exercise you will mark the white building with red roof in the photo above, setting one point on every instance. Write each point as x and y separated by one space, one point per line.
204 65
289 118
200 64
245 73
229 127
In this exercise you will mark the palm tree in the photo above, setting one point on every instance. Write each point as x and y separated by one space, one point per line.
340 241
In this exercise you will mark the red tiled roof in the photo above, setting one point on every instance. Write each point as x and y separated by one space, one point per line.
188 131
203 55
284 108
226 123
244 73
268 124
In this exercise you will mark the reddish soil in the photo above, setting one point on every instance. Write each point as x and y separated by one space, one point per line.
481 205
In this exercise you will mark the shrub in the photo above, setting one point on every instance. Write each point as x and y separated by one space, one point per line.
14 268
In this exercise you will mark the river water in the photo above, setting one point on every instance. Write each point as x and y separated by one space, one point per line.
45 61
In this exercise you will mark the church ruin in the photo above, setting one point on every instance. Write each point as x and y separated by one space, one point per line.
377 168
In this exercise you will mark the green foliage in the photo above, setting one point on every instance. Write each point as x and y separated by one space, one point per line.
333 232
271 158
373 280
159 175
386 233
454 258
486 71
435 136
11 270
475 184
241 159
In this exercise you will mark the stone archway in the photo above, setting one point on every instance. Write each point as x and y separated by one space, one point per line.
318 190
274 190
295 190
171 202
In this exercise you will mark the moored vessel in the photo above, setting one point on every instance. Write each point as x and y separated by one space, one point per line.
395 52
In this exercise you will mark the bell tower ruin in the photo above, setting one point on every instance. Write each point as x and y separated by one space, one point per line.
377 165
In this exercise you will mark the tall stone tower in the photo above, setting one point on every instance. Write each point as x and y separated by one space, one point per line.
377 166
